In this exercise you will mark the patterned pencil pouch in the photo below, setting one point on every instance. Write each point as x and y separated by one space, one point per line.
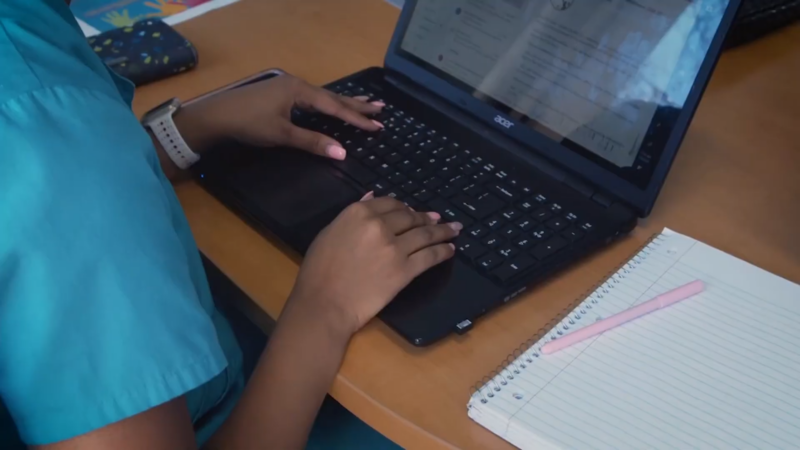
147 51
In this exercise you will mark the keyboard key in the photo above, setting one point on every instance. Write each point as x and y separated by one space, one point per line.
572 235
508 251
523 242
416 137
474 190
446 173
469 169
382 149
495 222
428 145
454 161
372 161
479 208
525 224
540 198
478 231
480 178
384 170
423 195
405 148
510 214
394 140
511 269
448 191
525 206
349 144
371 141
395 193
501 175
433 183
412 203
431 163
501 190
523 189
380 187
542 214
490 261
420 157
420 174
510 232
492 241
555 207
548 248
359 152
447 152
477 160
404 130
586 226
439 153
449 212
571 217
406 166
557 224
397 178
458 181
470 249
541 234
410 186
357 171
393 158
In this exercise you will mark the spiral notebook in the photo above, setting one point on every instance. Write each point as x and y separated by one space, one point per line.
718 370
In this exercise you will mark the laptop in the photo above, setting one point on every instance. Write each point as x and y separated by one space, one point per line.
546 127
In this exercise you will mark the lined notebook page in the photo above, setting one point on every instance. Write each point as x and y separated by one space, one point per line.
718 370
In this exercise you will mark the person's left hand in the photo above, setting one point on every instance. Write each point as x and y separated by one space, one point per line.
260 114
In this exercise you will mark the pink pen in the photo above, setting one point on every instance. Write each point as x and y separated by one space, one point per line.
661 301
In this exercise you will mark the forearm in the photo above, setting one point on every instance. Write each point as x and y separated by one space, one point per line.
285 392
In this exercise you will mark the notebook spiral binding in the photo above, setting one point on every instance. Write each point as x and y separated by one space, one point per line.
517 360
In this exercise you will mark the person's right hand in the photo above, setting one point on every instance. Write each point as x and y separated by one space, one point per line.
365 257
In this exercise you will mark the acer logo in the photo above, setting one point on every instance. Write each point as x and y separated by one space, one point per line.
503 121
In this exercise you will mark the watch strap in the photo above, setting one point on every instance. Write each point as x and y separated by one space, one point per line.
171 140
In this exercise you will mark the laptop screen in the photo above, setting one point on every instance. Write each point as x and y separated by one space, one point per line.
604 78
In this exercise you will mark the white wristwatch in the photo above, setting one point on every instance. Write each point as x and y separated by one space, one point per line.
159 121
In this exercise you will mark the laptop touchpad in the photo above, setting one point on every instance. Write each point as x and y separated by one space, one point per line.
294 188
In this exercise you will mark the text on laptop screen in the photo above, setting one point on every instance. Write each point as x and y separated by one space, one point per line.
605 78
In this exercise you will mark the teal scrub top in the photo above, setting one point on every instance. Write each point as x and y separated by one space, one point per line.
105 309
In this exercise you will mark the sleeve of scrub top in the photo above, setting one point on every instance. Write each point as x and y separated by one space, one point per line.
99 318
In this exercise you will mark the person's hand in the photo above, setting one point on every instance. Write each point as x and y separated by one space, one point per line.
260 114
365 257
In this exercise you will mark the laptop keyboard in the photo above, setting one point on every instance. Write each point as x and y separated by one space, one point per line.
511 226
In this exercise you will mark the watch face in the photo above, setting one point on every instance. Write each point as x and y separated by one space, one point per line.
170 105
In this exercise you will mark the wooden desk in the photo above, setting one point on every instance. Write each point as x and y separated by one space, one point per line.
734 185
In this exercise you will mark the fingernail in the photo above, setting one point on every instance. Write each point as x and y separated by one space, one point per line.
362 98
378 103
335 152
368 196
452 245
434 215
377 123
455 225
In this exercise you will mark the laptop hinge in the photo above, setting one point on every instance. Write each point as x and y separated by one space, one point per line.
537 161
578 185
